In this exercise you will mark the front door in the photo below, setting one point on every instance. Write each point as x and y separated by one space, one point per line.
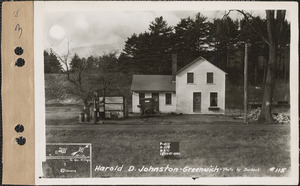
197 102
156 100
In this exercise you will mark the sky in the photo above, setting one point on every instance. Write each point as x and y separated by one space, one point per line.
96 33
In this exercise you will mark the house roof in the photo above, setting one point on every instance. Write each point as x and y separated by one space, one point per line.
199 59
159 83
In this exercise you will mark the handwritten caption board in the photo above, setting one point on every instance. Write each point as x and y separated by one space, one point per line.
68 160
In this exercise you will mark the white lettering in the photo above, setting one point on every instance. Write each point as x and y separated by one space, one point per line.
131 168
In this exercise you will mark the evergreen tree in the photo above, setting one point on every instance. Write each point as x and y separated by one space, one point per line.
51 63
184 43
150 52
160 27
160 46
191 39
76 63
91 63
225 38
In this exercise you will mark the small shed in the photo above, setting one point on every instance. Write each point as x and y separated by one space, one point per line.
159 87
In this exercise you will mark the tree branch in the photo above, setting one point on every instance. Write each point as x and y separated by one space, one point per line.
247 18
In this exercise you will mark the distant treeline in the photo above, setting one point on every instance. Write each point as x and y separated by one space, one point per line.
221 41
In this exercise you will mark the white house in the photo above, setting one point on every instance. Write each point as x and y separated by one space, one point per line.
199 89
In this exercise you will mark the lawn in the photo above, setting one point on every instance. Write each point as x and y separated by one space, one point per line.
205 142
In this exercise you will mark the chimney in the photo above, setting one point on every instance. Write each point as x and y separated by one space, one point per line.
174 67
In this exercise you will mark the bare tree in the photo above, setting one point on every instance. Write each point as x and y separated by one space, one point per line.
74 75
64 59
275 23
107 73
101 76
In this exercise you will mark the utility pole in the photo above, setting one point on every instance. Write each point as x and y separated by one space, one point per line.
246 83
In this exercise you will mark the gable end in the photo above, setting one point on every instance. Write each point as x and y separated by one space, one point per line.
198 60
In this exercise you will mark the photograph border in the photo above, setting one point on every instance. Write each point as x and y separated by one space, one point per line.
42 8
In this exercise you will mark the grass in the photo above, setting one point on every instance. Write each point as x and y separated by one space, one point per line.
135 142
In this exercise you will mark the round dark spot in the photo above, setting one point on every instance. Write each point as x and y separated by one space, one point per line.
20 141
19 128
20 62
19 50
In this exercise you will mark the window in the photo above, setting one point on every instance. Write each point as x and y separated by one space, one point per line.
141 96
190 77
213 99
168 98
210 77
